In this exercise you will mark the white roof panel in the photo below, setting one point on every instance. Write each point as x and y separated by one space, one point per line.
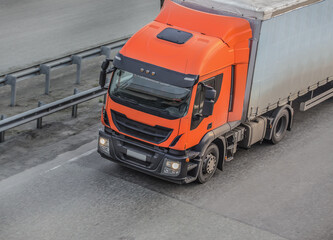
259 9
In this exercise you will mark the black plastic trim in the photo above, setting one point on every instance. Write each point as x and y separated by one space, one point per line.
222 156
175 141
106 118
232 89
142 108
119 142
155 134
205 141
214 134
161 74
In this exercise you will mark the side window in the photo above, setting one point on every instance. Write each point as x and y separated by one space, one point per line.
216 83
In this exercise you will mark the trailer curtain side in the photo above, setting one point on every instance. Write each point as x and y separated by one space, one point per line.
291 48
294 56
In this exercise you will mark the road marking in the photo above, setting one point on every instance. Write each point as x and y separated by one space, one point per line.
82 155
72 160
54 168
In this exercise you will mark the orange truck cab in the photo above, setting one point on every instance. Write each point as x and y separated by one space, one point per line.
176 99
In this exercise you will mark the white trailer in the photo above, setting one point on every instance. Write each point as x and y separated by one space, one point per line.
291 49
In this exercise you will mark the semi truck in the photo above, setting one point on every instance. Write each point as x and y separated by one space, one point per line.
208 77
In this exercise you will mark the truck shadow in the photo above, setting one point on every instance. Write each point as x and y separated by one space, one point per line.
247 162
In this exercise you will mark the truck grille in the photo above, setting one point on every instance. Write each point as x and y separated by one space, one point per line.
156 134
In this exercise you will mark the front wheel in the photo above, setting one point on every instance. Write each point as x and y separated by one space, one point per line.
209 163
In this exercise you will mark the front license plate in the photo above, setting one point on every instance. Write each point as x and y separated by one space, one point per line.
136 155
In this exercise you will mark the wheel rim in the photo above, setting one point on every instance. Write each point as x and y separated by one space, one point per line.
209 164
281 126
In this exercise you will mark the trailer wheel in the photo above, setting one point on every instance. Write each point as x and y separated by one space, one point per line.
280 126
209 163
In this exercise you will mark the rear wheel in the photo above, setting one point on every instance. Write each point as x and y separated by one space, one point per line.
209 163
280 126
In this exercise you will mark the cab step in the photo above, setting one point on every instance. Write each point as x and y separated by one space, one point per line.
190 179
191 166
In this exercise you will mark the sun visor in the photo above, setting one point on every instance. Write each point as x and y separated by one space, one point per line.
155 72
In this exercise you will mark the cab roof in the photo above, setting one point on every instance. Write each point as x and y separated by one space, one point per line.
205 36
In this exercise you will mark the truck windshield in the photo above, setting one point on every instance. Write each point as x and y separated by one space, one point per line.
149 95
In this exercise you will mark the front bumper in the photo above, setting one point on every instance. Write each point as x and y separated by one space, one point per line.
147 158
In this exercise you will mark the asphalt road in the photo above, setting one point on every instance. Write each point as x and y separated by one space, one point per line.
37 30
282 191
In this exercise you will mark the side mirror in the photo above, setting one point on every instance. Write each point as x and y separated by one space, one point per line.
104 72
102 78
210 93
208 107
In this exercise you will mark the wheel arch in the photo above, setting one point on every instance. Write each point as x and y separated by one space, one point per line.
275 115
291 116
215 136
221 144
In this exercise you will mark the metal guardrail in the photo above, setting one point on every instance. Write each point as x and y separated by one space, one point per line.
44 110
13 77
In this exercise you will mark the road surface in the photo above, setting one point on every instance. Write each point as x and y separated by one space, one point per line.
282 191
37 30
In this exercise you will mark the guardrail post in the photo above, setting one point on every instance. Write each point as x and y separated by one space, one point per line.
74 108
11 80
78 61
45 69
2 134
40 120
106 51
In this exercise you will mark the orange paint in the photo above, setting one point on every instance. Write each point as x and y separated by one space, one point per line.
218 42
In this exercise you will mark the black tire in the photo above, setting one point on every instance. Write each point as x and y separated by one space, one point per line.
280 126
209 163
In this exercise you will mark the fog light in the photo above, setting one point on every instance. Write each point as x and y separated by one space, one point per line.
171 168
104 145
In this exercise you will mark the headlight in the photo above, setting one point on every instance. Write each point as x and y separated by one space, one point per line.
171 167
104 146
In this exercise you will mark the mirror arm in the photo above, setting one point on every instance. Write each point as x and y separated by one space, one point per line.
197 116
106 63
110 70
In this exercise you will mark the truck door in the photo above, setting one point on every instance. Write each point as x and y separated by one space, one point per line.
199 125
